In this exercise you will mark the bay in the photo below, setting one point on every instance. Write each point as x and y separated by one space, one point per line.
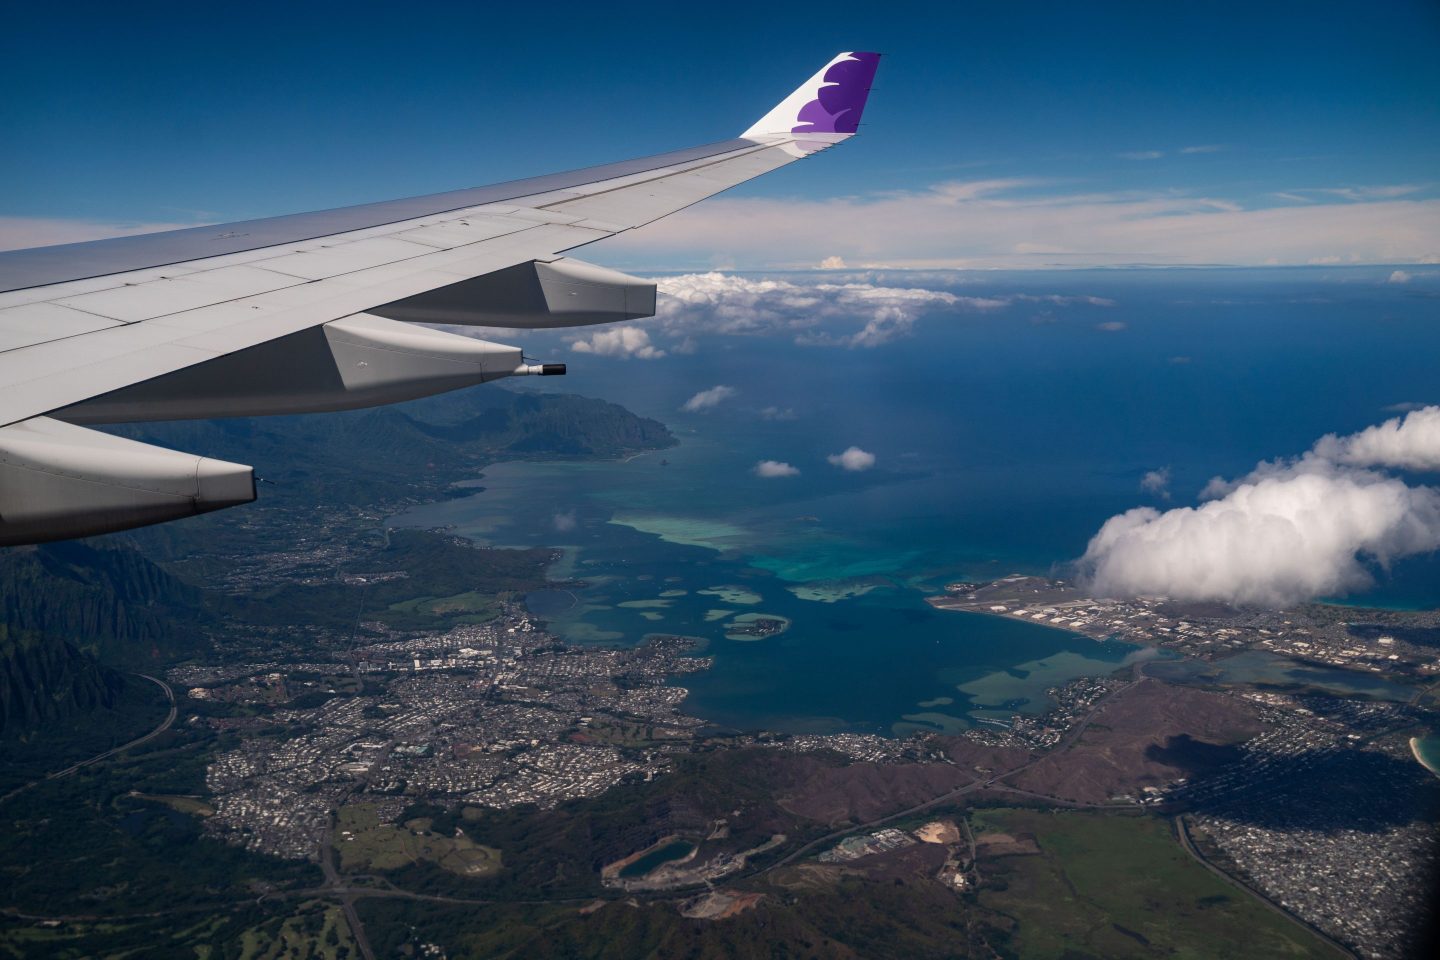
1002 442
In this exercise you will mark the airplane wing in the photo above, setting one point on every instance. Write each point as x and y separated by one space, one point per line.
322 311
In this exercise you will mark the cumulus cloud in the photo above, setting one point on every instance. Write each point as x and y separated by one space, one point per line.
564 522
775 468
623 342
1290 530
707 399
721 303
1157 482
1411 442
1399 276
832 263
853 459
777 413
1111 326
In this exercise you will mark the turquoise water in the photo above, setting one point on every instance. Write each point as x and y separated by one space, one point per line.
1003 441
862 652
1258 666
1428 750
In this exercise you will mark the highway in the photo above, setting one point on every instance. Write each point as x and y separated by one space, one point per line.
161 728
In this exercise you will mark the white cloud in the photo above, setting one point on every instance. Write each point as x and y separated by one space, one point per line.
706 399
720 303
1063 300
1399 276
959 191
1361 194
853 459
775 468
624 342
1289 531
1408 443
989 223
1111 326
564 522
1141 155
1157 482
832 263
1203 148
777 413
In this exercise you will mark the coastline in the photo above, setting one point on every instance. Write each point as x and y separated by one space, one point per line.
1420 757
938 602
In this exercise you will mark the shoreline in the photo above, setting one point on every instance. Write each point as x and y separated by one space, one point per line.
931 600
1419 758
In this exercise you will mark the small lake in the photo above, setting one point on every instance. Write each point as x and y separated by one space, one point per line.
674 850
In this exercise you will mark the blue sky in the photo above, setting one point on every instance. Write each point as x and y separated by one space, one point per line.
176 114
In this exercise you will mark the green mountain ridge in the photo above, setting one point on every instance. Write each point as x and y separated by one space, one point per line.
43 682
102 597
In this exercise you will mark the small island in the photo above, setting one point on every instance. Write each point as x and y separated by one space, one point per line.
756 626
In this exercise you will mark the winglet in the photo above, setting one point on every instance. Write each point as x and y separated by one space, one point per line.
829 102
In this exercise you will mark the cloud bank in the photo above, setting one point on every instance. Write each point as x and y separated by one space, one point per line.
722 303
775 468
706 399
853 459
1291 530
995 223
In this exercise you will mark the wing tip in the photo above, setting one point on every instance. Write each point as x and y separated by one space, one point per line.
832 101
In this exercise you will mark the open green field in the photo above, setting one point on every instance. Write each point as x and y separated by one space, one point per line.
478 607
193 806
317 931
309 930
365 843
1106 886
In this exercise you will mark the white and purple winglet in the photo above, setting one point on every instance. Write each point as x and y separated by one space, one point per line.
829 102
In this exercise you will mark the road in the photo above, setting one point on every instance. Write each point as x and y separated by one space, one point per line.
335 886
329 857
1182 831
161 728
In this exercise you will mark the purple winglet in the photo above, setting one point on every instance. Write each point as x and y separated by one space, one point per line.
838 105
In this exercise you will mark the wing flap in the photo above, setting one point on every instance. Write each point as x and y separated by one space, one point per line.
347 257
133 303
38 322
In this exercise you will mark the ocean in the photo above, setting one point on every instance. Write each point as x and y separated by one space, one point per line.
1002 438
